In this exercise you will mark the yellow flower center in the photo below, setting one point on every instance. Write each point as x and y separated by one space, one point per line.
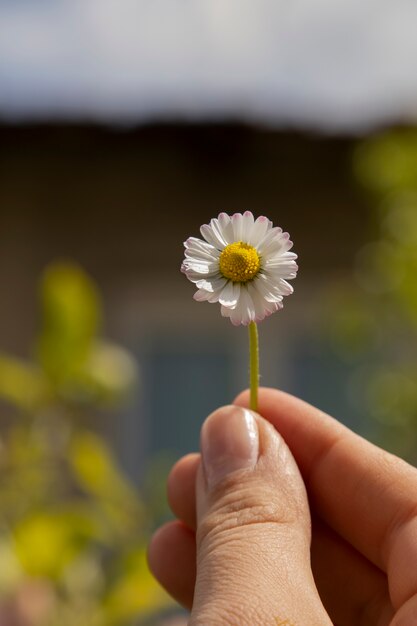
239 262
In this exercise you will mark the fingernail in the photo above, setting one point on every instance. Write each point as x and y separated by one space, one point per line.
229 442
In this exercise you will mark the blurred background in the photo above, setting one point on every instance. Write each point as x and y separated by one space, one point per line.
123 128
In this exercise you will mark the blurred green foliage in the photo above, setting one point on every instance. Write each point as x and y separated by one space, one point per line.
73 530
372 320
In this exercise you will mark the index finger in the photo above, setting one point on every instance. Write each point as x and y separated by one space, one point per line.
365 494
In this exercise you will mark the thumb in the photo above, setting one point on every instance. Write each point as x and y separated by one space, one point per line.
253 528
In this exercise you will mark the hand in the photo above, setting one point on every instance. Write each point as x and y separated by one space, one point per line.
252 523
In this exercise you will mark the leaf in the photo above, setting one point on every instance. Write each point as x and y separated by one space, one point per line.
10 570
94 466
96 470
21 384
136 592
45 543
70 320
111 373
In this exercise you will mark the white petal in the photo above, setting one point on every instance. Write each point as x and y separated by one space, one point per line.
263 308
217 228
286 271
211 262
244 312
214 297
198 255
197 248
247 226
236 315
195 277
278 285
202 295
280 260
290 256
260 305
198 266
213 235
198 244
278 245
259 230
226 227
267 290
272 307
280 265
230 295
285 287
237 221
233 314
194 263
212 285
273 234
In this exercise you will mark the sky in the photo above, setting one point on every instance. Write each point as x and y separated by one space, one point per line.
333 64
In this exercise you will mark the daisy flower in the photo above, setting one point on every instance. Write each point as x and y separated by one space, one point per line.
243 263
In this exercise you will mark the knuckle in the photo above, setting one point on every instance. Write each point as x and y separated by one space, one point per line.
244 506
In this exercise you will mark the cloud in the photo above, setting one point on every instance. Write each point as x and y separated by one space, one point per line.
329 63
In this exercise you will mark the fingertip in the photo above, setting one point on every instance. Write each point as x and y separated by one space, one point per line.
153 550
181 488
173 544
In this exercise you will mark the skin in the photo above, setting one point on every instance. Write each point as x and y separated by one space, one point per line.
363 506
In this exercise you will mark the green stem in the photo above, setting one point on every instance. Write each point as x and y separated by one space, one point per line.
254 365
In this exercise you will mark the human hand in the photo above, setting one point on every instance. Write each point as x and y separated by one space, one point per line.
252 555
